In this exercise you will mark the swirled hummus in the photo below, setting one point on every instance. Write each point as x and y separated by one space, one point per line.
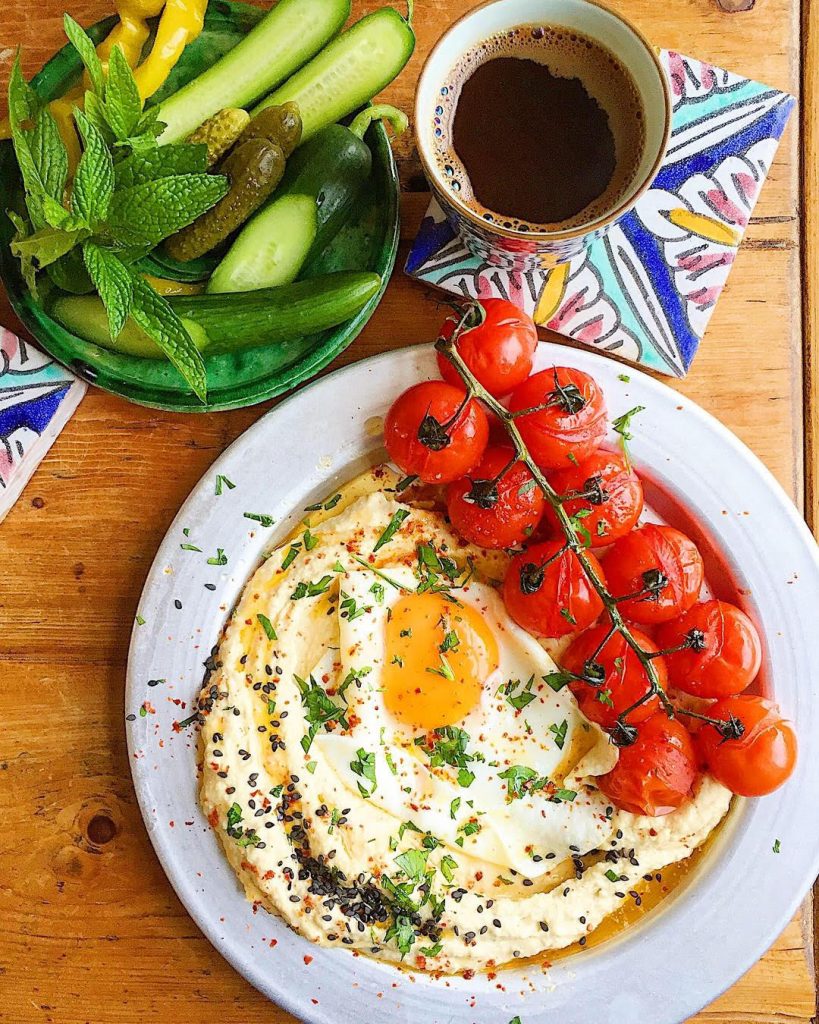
389 766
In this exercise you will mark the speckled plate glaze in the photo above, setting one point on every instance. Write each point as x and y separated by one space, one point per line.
679 957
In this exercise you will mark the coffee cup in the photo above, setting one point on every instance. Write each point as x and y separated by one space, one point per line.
582 35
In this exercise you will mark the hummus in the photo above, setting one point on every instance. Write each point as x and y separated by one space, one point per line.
464 851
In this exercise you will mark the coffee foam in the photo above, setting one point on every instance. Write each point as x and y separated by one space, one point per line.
568 54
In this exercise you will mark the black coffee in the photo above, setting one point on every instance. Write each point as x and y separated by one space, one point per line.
547 128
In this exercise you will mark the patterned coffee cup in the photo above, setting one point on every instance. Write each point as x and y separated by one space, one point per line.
536 248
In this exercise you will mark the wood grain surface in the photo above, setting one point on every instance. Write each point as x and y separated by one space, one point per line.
91 929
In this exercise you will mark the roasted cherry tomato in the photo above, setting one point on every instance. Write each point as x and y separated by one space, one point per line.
569 417
655 774
497 343
661 567
498 504
622 681
547 592
609 497
762 758
430 434
723 653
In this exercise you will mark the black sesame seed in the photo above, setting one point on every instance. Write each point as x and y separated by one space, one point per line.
177 604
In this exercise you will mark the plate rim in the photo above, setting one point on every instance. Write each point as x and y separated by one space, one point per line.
687 1002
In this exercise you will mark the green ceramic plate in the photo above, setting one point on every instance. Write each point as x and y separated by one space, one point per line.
368 242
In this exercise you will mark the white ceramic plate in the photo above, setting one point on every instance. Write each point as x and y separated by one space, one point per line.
680 957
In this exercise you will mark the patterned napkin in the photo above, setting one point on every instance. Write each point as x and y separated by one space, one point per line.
647 289
37 398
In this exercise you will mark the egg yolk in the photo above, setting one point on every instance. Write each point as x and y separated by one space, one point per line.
439 655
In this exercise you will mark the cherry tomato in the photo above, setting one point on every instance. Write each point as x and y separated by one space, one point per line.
498 349
547 592
429 435
760 760
661 562
496 513
655 774
724 653
572 422
611 496
625 679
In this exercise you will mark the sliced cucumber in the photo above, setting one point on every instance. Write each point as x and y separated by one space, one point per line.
271 247
349 71
290 34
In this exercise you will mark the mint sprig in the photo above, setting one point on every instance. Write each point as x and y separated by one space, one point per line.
126 197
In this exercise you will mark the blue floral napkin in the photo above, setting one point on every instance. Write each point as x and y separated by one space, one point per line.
647 289
37 398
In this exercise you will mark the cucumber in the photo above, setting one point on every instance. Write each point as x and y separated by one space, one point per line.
290 34
320 186
271 247
348 72
232 323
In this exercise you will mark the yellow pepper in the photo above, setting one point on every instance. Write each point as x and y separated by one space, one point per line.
181 21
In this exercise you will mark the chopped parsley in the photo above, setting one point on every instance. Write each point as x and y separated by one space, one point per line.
622 426
559 732
453 807
431 950
364 766
448 866
567 615
520 780
190 547
413 863
350 609
290 557
524 695
377 590
447 745
604 696
260 518
451 642
319 709
445 671
564 795
612 876
624 377
140 621
310 540
244 837
327 505
267 626
222 480
777 846
311 589
557 680
220 558
392 528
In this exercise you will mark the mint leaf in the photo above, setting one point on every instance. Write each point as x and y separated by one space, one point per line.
413 863
147 213
94 110
45 246
84 46
21 233
113 281
23 107
156 317
123 105
94 180
162 162
49 154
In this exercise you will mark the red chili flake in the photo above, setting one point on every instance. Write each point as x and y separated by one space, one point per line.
213 818
469 974
273 942
308 960
171 824
314 1001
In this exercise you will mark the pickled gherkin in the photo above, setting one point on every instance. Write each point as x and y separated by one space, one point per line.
254 168
220 132
281 124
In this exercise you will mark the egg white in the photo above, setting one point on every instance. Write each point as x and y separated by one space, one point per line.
528 834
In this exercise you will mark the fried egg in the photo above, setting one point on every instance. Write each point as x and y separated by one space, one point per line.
454 727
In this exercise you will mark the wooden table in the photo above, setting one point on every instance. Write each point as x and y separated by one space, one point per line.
91 928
